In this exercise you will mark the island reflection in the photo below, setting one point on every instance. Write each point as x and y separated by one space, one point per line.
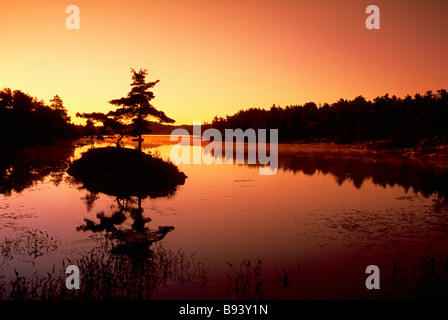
357 167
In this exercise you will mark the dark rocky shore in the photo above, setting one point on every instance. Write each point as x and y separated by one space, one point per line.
126 172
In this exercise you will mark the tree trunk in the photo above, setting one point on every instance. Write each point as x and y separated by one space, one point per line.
139 127
140 142
119 140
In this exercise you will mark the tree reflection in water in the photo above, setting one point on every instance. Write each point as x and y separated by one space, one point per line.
358 166
127 263
134 242
124 264
130 263
22 168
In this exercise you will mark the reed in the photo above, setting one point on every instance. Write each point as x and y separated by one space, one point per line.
245 281
106 275
427 278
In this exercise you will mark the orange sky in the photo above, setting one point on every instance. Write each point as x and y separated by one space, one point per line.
217 57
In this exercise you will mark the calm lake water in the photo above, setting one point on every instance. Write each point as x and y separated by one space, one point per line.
307 232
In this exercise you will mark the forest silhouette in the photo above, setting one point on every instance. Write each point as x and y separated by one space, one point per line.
27 121
399 122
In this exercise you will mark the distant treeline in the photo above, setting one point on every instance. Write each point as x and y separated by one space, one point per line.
26 121
154 128
401 122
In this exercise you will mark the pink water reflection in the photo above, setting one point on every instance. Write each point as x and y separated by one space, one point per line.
229 213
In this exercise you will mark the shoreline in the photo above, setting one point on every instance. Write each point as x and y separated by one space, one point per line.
433 154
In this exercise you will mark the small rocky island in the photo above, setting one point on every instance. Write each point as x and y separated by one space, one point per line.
126 172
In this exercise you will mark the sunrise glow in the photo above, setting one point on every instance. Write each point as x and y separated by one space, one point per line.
217 57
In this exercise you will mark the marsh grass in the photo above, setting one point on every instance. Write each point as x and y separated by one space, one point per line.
248 281
425 279
104 275
27 246
245 281
289 280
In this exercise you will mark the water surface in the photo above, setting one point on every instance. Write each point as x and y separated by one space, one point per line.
307 232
